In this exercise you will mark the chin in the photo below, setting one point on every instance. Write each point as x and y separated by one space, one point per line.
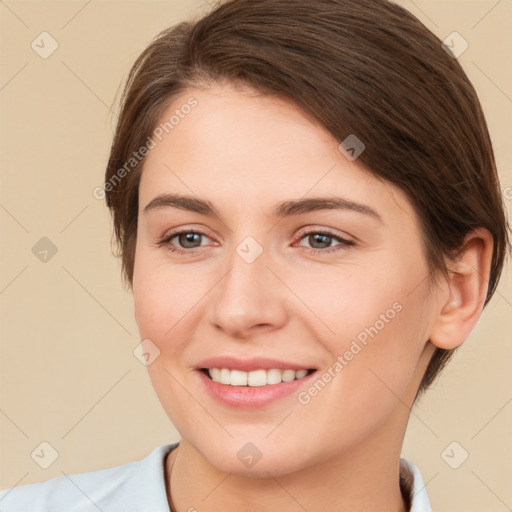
256 459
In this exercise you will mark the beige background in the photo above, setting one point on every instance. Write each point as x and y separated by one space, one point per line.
68 373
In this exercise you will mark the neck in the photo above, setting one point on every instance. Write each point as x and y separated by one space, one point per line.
331 486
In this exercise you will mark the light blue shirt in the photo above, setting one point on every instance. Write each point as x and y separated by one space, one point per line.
134 487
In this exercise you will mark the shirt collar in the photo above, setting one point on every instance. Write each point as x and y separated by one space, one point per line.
150 486
420 501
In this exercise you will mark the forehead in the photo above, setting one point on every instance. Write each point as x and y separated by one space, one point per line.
238 147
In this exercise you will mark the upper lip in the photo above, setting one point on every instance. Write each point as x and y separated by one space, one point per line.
247 365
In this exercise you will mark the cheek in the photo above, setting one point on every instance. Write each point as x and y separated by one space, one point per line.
164 300
376 319
151 298
167 301
344 302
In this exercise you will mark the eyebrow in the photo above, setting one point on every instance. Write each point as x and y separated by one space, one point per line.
280 210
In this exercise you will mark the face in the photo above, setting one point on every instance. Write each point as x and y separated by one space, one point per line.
252 277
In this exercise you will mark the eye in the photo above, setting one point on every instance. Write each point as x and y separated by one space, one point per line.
186 237
324 238
189 239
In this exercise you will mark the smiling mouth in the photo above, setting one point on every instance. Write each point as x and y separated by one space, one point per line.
254 378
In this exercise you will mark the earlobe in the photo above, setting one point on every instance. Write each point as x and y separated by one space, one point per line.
461 299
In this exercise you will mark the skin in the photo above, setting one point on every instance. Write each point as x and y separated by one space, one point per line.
244 153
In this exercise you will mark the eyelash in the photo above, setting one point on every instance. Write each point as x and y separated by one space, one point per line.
166 241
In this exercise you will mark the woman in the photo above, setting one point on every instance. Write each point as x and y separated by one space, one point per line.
309 216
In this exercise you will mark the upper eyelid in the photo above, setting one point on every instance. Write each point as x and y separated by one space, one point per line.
179 231
329 231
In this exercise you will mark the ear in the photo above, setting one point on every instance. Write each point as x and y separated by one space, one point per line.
462 297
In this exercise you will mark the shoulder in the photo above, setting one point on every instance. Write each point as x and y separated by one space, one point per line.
77 492
124 488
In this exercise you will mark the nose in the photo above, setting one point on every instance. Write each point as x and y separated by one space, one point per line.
249 299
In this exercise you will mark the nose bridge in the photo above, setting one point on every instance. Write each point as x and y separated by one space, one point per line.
248 295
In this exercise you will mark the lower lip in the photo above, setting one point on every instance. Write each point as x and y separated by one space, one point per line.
250 397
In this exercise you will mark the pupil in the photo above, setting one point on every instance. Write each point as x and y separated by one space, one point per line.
189 238
322 236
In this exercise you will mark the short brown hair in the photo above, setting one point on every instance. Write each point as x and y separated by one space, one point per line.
368 68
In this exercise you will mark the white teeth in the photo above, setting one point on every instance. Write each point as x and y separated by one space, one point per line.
254 378
274 377
300 374
238 378
224 376
288 375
